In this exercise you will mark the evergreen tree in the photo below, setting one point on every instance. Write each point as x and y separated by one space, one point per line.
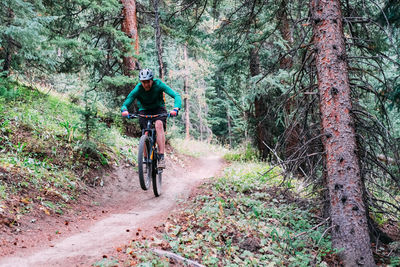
348 210
24 36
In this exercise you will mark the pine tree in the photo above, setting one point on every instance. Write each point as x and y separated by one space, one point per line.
24 35
348 209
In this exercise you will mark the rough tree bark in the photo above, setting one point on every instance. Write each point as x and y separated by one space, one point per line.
348 210
9 47
228 117
286 32
161 67
258 101
186 94
262 132
200 120
8 57
130 28
130 63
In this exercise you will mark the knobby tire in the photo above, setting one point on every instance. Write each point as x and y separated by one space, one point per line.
157 181
145 169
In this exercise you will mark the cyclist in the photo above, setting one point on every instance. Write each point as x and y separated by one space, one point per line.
150 97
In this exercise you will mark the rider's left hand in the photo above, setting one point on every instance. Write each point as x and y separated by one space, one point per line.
174 112
125 113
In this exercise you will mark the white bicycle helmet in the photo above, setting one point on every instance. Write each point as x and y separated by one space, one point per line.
146 74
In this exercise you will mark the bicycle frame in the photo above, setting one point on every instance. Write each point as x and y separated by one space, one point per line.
150 131
147 155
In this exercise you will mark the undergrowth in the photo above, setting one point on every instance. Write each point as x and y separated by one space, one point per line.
195 148
45 158
246 152
241 219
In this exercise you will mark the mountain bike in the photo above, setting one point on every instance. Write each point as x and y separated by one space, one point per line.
147 155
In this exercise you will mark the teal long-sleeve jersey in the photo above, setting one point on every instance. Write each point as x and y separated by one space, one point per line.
152 99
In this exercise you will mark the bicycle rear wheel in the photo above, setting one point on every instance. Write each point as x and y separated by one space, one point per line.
144 162
157 180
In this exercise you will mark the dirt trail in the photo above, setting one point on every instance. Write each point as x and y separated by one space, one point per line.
133 209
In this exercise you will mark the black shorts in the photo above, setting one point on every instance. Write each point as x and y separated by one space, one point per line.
160 110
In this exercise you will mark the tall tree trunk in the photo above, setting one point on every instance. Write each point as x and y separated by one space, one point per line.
200 122
130 63
9 48
286 32
8 57
186 94
348 210
130 28
158 40
259 105
228 117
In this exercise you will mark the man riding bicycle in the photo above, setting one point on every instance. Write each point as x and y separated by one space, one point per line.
150 97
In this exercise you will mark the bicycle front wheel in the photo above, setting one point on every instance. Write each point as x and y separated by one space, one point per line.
144 162
157 180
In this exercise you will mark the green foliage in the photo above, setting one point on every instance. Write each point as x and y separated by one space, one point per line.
24 34
244 153
390 14
89 115
44 149
196 148
105 262
394 96
70 128
395 261
9 91
241 221
3 193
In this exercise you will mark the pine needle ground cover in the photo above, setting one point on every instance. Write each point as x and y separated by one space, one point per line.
243 218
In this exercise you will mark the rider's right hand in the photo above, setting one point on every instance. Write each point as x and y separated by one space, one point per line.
125 113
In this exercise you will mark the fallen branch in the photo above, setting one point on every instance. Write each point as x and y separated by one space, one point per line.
315 227
176 257
386 159
327 229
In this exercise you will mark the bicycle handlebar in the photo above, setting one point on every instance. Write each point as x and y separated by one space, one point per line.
133 116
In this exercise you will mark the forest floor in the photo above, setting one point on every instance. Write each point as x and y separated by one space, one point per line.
104 218
249 220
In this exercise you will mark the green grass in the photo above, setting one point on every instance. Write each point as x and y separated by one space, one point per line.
43 147
195 148
242 219
244 153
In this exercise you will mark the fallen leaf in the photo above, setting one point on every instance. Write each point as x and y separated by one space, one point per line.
25 201
45 210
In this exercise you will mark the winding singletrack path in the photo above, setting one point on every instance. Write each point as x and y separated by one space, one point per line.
87 245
